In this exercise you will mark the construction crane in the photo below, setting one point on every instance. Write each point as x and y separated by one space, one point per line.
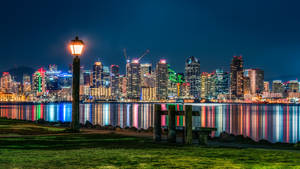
144 54
128 59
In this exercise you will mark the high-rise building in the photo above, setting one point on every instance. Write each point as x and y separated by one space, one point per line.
106 76
247 85
172 83
266 86
205 85
6 82
114 81
256 77
219 83
236 77
146 69
97 75
161 73
123 86
87 74
134 80
39 81
193 76
26 83
293 86
277 86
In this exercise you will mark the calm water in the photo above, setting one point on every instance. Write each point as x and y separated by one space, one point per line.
276 123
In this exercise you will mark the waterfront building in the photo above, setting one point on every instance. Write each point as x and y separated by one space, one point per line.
106 76
97 75
277 86
293 86
162 76
26 84
236 78
184 91
205 85
220 83
193 75
87 76
148 94
114 81
256 77
134 80
146 69
247 85
39 81
101 93
6 82
172 84
266 86
122 86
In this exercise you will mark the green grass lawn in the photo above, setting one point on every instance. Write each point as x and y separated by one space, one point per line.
119 151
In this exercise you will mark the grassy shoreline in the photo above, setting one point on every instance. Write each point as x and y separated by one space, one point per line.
110 150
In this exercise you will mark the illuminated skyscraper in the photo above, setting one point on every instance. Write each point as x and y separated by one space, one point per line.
256 77
277 86
219 83
106 76
193 76
236 77
205 85
6 82
114 81
266 86
161 73
97 74
26 83
293 86
134 80
39 81
145 71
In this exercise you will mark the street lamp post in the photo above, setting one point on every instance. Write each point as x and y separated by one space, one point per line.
76 47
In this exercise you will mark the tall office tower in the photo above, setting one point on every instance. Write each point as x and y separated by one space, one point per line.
256 80
293 86
161 84
193 76
247 85
277 86
97 75
145 71
39 81
134 80
220 83
236 77
52 68
114 81
87 74
205 85
266 86
26 83
172 83
106 76
123 86
6 82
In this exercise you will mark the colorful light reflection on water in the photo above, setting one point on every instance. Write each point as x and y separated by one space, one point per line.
276 123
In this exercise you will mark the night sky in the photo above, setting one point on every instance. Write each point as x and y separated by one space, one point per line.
266 33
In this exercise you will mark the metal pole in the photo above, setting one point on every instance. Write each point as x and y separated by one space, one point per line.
75 94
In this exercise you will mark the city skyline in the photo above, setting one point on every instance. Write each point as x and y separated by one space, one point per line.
265 36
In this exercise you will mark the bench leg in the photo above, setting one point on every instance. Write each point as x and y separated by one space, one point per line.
203 137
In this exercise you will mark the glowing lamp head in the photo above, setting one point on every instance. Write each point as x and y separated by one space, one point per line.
76 46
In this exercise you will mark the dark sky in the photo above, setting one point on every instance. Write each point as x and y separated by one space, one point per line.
266 33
